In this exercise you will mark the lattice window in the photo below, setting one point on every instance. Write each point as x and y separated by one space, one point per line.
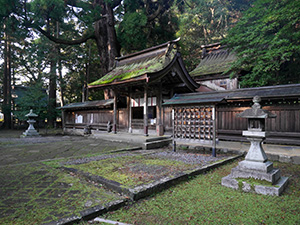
193 122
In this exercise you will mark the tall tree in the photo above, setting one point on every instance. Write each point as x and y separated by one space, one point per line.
99 19
267 42
205 22
9 23
7 82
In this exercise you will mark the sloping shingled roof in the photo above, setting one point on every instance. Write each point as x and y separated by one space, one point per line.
88 104
269 92
135 65
216 59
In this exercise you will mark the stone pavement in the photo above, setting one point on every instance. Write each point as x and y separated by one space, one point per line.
32 192
35 190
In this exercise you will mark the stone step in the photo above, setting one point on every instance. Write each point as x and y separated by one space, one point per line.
157 138
157 144
272 176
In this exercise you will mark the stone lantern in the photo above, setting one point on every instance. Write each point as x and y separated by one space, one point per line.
256 164
31 132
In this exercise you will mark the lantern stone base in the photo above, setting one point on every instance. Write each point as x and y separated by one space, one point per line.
30 133
275 189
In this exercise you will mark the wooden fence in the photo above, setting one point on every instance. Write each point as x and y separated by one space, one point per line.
284 129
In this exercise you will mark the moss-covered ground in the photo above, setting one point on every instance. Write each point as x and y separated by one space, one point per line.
132 171
34 191
203 200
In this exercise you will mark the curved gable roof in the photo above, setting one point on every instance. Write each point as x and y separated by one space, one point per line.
148 65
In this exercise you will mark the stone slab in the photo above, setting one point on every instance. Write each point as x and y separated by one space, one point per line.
296 160
272 176
276 189
285 159
157 144
249 133
256 166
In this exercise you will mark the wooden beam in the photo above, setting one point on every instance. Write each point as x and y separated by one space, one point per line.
159 126
129 111
115 113
146 110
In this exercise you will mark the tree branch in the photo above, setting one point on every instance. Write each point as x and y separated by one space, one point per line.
63 41
155 14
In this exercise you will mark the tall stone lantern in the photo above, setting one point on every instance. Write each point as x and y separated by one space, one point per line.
256 164
31 132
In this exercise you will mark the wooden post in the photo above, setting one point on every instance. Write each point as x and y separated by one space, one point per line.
115 113
129 112
159 125
214 131
146 110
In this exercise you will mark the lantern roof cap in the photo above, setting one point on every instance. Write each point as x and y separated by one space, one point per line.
256 112
31 114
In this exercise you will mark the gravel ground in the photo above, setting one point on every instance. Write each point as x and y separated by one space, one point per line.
190 158
95 158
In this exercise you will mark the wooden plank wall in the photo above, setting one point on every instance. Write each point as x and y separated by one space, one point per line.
285 128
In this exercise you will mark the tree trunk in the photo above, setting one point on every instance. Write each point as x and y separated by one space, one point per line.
52 90
7 84
106 38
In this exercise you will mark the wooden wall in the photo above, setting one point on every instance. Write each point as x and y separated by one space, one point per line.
284 129
97 118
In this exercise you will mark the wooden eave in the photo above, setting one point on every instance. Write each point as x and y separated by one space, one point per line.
272 93
176 65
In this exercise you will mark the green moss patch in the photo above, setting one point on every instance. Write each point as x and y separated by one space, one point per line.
36 194
131 171
253 181
133 70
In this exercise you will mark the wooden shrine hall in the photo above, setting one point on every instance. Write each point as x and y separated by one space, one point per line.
141 81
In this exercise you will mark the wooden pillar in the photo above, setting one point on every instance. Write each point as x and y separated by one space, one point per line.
146 110
129 112
214 131
115 113
159 124
63 119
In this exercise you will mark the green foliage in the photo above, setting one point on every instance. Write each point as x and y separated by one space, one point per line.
204 22
141 26
34 98
266 40
131 32
45 9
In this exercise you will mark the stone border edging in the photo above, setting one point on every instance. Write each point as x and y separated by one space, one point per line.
126 149
90 213
134 193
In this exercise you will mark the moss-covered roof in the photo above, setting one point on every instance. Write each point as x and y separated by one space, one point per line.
88 104
216 61
138 64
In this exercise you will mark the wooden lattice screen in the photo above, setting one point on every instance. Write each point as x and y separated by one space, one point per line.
193 122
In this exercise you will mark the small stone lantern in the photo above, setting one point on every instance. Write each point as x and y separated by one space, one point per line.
31 132
256 164
256 134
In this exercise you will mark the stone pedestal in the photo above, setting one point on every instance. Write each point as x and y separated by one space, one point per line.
256 165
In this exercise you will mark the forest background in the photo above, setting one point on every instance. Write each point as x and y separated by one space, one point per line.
57 47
